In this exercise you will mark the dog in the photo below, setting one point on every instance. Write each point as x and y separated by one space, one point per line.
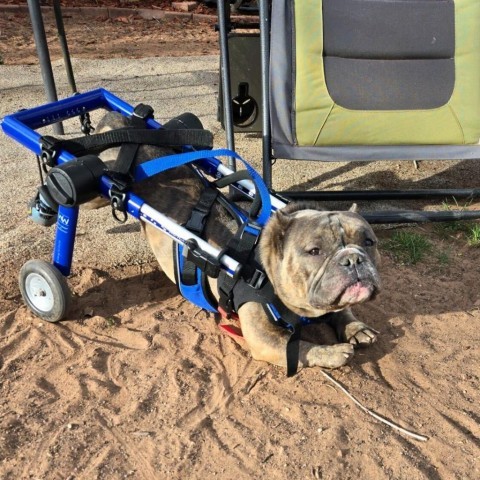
320 263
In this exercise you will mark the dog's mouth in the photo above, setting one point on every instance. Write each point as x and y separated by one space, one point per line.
357 292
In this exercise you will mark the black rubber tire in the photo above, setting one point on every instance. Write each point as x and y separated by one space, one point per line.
44 290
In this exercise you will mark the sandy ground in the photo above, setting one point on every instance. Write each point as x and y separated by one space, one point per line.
139 384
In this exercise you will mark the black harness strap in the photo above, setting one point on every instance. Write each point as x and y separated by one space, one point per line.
244 292
293 323
240 247
196 224
122 171
129 139
99 142
123 167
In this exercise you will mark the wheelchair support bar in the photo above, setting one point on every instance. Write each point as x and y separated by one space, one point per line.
65 239
21 127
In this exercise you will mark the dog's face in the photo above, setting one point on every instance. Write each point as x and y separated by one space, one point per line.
320 261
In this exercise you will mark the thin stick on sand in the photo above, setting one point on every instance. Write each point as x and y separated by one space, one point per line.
422 438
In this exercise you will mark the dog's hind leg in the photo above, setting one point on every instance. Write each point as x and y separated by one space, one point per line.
268 342
351 330
162 248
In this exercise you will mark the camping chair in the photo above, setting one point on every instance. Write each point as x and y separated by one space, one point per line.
363 80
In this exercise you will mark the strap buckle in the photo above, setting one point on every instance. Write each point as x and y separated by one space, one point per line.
258 279
48 152
205 262
252 229
86 124
118 204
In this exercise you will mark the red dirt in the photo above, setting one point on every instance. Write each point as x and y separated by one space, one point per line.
127 36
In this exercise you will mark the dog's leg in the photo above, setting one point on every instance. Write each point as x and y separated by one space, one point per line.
268 343
162 248
351 330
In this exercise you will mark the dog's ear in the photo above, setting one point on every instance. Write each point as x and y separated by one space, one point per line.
273 236
283 221
353 208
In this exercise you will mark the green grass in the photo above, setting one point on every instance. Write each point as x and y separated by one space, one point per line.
473 235
451 229
408 247
457 227
443 259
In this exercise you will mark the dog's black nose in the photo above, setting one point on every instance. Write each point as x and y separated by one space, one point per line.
350 259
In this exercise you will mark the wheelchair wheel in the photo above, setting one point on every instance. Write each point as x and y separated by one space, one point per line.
44 290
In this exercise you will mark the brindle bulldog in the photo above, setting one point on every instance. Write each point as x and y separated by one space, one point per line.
320 263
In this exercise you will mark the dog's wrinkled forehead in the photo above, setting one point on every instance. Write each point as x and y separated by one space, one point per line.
328 228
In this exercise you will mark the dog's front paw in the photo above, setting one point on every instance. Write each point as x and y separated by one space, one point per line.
357 333
330 357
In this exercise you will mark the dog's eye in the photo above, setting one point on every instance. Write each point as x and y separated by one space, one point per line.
314 251
369 242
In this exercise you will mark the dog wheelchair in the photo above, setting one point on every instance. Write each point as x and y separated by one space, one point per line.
73 179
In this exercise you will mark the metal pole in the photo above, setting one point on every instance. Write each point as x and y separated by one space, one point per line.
223 9
348 195
265 67
86 125
43 56
413 216
62 37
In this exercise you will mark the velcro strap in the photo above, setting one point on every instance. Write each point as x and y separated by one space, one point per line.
279 314
189 273
293 345
202 209
196 224
125 161
241 247
114 138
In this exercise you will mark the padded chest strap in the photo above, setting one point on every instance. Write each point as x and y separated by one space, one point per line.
253 285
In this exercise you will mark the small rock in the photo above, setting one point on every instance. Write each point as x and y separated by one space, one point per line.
184 6
142 434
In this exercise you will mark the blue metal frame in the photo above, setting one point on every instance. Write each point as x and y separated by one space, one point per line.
21 127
